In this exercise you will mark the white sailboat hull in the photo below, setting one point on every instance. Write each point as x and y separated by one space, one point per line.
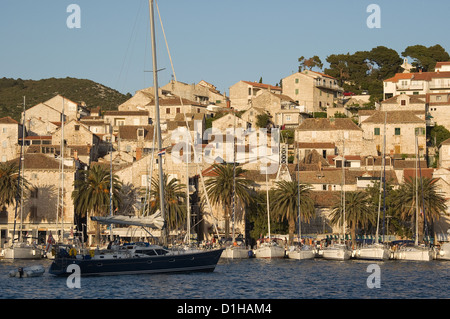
444 252
372 253
22 252
301 254
414 254
234 252
270 251
337 253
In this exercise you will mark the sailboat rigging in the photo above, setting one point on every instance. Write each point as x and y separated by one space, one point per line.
141 258
301 251
19 248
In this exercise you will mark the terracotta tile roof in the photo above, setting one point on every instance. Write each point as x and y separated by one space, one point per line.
129 132
263 86
328 124
420 76
39 161
8 120
126 113
410 173
439 64
394 117
415 99
399 164
314 145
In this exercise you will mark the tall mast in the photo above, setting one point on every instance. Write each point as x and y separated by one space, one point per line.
158 127
110 183
416 242
62 172
19 176
298 195
343 189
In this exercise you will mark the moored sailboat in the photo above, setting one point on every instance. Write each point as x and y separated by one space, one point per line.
134 259
377 250
415 252
339 251
269 249
20 249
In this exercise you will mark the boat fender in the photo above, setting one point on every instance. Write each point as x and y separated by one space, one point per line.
91 253
72 252
20 270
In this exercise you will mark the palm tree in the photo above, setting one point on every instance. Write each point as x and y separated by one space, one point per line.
220 189
429 201
285 204
358 212
10 183
174 196
91 195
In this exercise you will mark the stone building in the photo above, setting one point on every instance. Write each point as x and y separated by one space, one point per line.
243 92
342 132
39 214
10 132
401 129
312 91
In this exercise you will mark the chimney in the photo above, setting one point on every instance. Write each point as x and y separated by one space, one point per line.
138 153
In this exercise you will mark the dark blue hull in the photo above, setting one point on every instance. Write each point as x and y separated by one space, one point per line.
183 262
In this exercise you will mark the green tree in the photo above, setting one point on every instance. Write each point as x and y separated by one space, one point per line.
313 62
438 134
285 204
358 212
427 198
10 183
91 194
175 201
262 120
425 58
220 189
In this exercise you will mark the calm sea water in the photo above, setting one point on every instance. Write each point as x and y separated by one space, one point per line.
246 279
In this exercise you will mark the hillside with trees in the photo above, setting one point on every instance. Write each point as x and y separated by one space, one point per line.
91 93
366 70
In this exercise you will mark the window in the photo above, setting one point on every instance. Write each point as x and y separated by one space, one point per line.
178 110
296 80
168 110
403 102
376 131
419 131
34 193
296 91
77 127
324 187
140 132
4 130
288 117
397 131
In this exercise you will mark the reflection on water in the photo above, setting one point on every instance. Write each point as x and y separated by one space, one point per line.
246 279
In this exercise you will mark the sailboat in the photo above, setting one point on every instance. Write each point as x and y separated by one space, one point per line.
140 258
235 251
377 251
415 252
300 252
339 251
21 249
269 249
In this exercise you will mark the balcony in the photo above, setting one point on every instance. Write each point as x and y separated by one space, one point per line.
328 85
407 87
437 86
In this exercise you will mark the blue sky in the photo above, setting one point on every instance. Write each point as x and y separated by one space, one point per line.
221 42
